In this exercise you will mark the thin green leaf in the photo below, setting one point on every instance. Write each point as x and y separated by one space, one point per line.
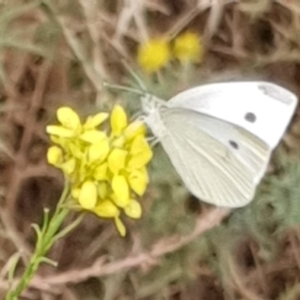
13 261
45 221
69 228
46 260
38 234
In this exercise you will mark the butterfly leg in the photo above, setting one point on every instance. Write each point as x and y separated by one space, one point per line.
152 141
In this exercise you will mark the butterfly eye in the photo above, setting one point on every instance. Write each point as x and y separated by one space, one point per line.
234 145
250 117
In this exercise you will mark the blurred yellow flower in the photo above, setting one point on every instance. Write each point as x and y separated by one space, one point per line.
107 171
188 48
154 54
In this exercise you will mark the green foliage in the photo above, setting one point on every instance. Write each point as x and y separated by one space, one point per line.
168 214
275 208
273 212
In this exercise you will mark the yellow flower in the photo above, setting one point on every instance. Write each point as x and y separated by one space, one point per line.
70 123
133 209
118 120
106 209
134 129
94 121
140 152
102 190
120 188
54 155
107 170
116 160
60 131
92 136
138 181
68 118
99 151
188 48
100 172
88 195
120 226
68 167
154 54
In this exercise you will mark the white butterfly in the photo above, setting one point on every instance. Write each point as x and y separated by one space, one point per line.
219 137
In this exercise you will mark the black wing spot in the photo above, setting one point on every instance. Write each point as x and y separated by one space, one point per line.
250 117
234 145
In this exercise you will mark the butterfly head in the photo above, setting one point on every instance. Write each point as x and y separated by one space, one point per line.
151 109
150 104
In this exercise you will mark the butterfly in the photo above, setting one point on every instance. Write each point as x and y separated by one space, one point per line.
219 137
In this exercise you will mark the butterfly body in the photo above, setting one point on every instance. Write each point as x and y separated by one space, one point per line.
219 137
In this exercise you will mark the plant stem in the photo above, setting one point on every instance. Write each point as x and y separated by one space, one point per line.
47 238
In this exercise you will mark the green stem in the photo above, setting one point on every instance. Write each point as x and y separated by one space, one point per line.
46 241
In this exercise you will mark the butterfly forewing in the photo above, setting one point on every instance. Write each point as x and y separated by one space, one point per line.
261 108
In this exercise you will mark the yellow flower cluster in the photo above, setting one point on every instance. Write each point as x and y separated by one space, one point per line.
156 53
188 47
107 172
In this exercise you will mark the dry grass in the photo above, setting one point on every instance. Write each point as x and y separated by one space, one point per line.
61 52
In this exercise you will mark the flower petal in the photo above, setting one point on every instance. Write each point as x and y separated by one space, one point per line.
106 209
134 129
138 182
68 118
118 120
118 142
93 136
93 121
121 190
120 226
54 155
88 195
60 131
133 209
116 160
75 192
139 145
99 151
75 150
100 173
145 174
141 153
140 159
69 166
102 190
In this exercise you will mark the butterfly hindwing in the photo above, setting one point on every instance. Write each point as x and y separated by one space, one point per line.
212 169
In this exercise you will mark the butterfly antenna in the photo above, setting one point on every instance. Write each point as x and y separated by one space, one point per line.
134 75
138 80
123 88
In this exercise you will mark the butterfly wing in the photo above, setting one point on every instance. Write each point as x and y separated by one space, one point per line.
261 108
222 170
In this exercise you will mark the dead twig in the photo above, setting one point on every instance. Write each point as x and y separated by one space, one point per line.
164 246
